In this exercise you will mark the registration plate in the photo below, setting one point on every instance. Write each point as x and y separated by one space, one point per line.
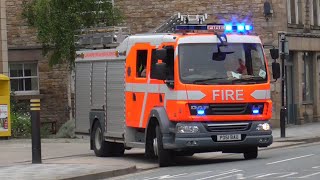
229 137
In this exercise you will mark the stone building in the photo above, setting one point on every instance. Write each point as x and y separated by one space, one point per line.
31 76
3 40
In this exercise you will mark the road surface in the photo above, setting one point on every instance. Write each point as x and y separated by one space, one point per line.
299 162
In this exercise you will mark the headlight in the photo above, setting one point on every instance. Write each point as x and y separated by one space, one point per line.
263 127
187 128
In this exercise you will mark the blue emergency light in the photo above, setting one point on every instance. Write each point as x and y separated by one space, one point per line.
200 112
256 111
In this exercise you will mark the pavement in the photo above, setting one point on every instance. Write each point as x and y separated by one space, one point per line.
72 158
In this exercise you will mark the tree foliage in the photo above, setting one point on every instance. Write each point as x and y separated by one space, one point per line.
57 22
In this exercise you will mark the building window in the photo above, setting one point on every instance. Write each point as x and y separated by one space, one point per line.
315 12
294 11
307 79
24 78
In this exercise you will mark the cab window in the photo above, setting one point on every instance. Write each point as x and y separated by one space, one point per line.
141 65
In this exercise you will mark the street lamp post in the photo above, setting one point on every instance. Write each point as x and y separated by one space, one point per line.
284 52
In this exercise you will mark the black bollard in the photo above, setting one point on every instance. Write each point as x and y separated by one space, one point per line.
36 138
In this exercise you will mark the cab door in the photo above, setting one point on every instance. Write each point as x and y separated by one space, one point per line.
137 71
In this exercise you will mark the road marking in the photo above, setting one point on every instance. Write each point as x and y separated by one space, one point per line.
265 175
316 167
241 176
198 173
238 176
166 176
287 175
289 159
225 173
226 177
302 177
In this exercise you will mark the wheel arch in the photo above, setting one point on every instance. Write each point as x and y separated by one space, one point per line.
96 116
158 115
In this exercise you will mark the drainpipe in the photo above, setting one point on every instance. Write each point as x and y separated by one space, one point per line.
306 27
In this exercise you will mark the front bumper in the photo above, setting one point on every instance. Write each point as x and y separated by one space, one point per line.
206 140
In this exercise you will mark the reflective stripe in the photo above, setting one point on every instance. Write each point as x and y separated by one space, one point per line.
135 87
261 94
145 97
214 39
182 94
195 95
35 109
162 88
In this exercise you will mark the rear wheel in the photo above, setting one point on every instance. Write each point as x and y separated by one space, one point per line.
252 153
117 149
103 148
164 156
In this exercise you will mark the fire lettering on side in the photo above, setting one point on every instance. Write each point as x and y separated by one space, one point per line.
226 95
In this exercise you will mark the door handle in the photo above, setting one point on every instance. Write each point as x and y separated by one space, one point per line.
134 97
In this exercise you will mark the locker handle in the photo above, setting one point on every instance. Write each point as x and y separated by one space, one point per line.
134 97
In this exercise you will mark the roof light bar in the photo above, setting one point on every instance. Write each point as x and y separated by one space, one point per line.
226 28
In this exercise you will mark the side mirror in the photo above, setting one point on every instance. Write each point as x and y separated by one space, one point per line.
274 53
160 71
161 54
219 56
276 70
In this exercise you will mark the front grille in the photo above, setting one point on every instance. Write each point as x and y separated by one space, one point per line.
226 109
227 127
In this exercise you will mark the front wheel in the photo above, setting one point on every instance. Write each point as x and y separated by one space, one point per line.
252 153
164 156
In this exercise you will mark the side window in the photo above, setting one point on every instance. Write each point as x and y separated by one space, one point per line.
154 61
170 62
141 65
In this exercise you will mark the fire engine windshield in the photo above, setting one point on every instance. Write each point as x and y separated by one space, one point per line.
215 64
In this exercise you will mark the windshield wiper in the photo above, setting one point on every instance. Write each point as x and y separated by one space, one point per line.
205 80
252 79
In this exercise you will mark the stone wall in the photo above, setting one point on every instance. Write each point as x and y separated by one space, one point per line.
23 47
19 34
3 40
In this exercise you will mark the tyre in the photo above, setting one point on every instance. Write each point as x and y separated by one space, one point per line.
117 149
149 150
251 154
183 153
103 148
164 156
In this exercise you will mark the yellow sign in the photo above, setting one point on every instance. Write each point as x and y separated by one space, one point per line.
5 123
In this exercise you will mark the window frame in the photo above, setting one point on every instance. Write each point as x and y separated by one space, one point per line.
297 16
245 56
315 10
137 75
23 77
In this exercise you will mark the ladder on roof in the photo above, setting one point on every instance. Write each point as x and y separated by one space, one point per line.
170 24
101 37
111 36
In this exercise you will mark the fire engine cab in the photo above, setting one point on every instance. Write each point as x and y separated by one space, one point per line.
203 88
